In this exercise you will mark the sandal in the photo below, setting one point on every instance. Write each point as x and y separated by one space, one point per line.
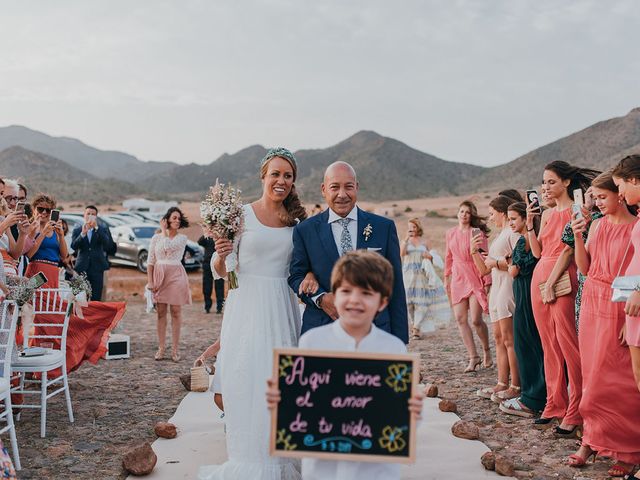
488 391
175 356
508 394
159 354
487 363
514 406
619 470
576 461
415 334
474 363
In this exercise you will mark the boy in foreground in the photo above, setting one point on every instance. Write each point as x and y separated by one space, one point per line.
361 282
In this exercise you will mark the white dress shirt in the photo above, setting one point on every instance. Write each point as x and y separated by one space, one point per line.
336 229
333 337
352 227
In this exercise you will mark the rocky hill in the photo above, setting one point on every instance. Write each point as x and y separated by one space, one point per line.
387 169
599 146
100 163
43 173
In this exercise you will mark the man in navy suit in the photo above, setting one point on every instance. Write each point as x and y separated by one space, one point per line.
319 241
92 243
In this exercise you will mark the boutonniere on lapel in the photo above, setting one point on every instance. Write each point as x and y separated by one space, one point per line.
368 230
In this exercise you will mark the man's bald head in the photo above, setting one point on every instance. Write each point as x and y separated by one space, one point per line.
340 188
340 167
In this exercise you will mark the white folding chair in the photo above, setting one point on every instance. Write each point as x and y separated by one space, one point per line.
8 321
46 301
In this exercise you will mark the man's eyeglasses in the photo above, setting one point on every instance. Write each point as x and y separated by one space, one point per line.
44 209
11 198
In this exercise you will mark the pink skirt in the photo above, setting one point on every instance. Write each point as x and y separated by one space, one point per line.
172 283
632 332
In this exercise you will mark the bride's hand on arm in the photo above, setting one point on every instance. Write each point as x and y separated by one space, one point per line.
309 285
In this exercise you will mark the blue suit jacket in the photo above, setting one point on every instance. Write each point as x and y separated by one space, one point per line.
314 250
91 256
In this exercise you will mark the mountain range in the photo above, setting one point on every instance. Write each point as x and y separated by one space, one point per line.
387 168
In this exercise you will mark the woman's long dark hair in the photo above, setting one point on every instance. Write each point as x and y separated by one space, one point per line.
628 168
501 203
605 182
477 221
579 177
184 222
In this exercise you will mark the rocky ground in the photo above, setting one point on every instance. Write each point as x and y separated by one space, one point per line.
117 402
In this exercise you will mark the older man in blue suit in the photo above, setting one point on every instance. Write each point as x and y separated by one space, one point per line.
319 241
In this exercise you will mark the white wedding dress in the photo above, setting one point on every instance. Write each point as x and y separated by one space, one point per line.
261 314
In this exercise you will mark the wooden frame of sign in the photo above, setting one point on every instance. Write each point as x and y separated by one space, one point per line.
396 377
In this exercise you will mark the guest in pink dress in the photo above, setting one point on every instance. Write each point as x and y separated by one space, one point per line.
464 284
610 405
555 316
167 278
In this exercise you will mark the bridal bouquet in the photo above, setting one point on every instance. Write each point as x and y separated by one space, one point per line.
223 217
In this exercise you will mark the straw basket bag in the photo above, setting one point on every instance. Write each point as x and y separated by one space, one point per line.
199 379
561 287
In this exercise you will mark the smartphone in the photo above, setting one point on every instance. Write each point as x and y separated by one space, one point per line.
578 199
28 211
474 233
533 199
55 215
20 207
38 280
577 210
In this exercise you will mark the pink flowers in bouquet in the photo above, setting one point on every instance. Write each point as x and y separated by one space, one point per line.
223 217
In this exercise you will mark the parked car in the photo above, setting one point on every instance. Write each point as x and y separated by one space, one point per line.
133 247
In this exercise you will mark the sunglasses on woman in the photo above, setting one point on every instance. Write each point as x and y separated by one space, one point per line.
44 209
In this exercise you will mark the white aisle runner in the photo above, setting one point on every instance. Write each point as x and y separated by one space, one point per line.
200 441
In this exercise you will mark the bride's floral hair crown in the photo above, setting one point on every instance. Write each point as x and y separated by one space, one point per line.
280 152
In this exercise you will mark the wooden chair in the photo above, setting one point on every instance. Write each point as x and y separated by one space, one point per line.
50 302
8 321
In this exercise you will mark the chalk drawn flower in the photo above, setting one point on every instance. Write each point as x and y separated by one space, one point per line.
285 362
392 440
368 230
399 377
284 439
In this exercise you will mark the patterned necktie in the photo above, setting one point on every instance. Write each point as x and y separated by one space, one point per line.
346 244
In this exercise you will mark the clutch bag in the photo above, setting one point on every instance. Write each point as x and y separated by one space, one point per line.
622 287
561 287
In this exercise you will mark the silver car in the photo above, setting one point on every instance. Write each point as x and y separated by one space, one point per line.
133 247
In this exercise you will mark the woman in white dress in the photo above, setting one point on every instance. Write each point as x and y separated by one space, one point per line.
260 315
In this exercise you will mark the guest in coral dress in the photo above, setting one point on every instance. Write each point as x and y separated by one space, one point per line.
555 317
464 284
167 278
610 405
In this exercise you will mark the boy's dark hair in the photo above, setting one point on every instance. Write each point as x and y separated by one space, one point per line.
363 269
92 207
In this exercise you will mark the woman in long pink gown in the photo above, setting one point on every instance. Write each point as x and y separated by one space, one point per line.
610 405
464 284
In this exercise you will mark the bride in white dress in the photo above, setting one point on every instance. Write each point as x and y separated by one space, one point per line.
261 314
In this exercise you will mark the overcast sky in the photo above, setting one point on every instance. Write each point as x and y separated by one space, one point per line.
475 81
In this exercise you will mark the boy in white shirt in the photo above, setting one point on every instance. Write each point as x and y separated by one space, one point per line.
361 282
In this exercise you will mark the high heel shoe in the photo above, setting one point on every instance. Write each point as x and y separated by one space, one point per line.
576 461
474 363
159 354
175 356
618 470
485 363
575 432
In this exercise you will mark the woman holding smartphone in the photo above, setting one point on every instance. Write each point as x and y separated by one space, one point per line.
555 317
501 299
465 285
50 246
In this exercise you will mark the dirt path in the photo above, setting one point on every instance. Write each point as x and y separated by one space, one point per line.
117 402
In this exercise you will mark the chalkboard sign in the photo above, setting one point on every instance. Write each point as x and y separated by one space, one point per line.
344 406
